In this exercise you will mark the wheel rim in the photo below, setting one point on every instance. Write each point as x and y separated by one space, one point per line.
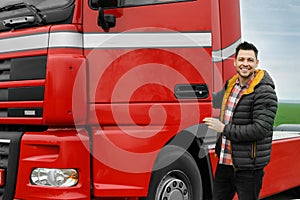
174 186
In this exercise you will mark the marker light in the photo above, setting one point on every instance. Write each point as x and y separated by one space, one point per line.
54 177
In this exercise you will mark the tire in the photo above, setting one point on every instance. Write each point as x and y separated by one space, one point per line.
294 192
175 176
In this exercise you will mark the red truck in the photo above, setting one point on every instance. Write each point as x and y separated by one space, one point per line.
104 99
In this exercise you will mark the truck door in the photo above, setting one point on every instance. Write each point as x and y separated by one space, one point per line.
155 47
149 76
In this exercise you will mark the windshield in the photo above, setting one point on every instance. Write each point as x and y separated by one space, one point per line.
39 4
25 13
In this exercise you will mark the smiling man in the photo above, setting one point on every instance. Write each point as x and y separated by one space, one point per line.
248 105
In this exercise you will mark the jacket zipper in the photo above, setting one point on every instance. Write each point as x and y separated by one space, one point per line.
253 150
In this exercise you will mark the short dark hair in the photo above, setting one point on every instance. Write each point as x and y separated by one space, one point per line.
246 46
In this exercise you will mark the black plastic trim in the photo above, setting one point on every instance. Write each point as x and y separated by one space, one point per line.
8 191
26 94
28 68
3 94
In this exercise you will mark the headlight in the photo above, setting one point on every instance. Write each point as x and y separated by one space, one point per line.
54 177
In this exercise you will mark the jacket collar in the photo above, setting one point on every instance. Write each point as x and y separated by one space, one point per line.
257 79
231 82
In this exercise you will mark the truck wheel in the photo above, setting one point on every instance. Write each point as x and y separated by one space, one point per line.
175 177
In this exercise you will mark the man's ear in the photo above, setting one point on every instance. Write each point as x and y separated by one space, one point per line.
234 62
257 62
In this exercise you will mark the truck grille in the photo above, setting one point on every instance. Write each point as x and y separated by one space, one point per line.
4 149
9 156
22 85
28 68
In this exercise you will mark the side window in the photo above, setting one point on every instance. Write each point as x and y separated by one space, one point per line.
148 2
95 4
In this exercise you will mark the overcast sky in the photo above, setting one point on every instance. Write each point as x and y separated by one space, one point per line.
274 27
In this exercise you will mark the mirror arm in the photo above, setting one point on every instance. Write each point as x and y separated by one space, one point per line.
101 20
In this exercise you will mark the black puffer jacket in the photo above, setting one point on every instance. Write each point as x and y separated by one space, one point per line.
250 131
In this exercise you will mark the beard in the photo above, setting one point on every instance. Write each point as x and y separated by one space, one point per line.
245 76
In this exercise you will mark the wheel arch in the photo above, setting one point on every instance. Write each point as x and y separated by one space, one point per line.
194 140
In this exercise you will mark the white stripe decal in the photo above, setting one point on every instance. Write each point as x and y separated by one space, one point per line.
147 40
38 41
226 53
115 40
105 40
65 40
280 135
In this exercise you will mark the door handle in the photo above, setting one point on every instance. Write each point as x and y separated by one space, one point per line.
191 91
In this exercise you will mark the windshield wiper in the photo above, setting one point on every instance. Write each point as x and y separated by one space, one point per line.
37 17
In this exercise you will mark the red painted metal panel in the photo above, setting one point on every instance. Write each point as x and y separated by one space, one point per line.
282 173
133 109
230 22
61 104
145 75
67 148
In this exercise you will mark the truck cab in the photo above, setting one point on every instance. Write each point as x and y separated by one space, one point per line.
104 99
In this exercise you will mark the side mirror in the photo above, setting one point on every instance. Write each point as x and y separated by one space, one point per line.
105 21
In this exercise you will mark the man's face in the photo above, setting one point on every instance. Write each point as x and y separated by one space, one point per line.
245 64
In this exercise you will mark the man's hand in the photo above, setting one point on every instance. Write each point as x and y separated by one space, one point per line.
214 124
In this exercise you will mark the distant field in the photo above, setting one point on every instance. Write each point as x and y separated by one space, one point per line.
288 113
